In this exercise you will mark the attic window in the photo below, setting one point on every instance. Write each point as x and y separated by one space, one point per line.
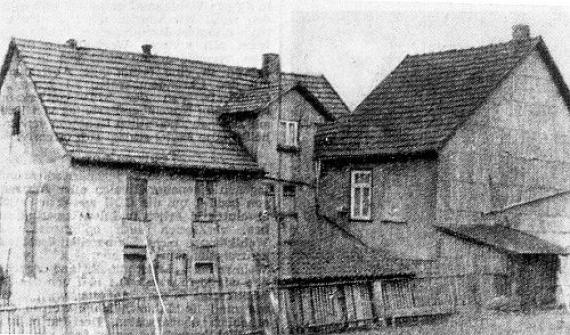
289 133
16 121
360 195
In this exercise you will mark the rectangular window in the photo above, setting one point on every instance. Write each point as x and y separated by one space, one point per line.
205 200
30 212
179 269
289 133
205 261
136 198
16 120
360 195
289 203
134 265
270 200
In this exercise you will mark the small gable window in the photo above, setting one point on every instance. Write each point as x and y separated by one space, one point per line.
289 133
16 120
360 195
136 198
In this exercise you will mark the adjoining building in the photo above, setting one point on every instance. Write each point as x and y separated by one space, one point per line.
456 157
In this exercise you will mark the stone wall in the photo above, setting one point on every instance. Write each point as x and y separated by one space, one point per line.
32 161
100 231
513 150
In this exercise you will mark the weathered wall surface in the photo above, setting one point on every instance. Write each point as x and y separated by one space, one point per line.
547 218
100 229
263 137
33 161
515 149
403 205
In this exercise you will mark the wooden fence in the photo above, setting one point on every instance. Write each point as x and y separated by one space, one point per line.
202 313
334 307
322 308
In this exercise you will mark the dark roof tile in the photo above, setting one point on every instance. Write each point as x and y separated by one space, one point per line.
505 239
130 108
418 106
336 254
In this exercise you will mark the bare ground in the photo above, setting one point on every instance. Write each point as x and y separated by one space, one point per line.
555 322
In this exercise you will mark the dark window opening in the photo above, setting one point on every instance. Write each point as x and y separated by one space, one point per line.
31 204
136 198
204 269
270 198
205 200
289 199
16 120
205 261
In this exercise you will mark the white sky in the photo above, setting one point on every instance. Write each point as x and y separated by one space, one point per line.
353 43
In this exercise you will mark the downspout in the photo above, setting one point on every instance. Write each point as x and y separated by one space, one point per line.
66 245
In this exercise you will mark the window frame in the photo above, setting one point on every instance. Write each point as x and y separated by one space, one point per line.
270 198
200 258
31 199
361 185
133 252
289 198
16 121
288 140
134 211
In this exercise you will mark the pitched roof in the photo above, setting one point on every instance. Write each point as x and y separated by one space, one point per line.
123 107
505 239
418 107
262 95
337 254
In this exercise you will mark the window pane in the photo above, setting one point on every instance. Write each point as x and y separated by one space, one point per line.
136 198
203 269
289 190
356 202
270 198
179 269
365 201
134 268
16 121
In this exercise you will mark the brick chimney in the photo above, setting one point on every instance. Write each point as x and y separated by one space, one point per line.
72 43
271 67
146 49
521 32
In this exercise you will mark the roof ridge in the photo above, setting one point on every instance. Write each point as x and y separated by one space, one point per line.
484 46
132 53
239 68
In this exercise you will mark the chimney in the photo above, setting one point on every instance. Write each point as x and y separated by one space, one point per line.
146 48
271 67
521 32
72 43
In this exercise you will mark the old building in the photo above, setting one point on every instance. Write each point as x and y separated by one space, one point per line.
446 155
131 175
